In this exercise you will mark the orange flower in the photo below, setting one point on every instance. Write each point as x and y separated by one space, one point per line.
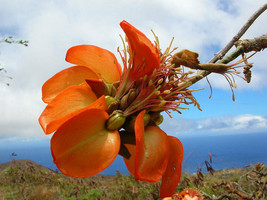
155 156
78 116
188 194
97 111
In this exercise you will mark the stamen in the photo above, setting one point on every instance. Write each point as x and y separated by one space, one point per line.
154 73
157 93
124 49
156 40
166 53
166 92
145 77
160 81
150 83
162 90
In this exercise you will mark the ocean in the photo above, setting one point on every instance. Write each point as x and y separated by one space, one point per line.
228 151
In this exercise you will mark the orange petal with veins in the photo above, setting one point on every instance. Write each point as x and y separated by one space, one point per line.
82 146
172 175
101 61
149 157
145 54
67 104
64 79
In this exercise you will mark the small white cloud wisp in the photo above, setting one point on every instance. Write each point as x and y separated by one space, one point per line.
223 125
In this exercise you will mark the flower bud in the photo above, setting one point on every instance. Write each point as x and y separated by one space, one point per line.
127 99
115 121
110 89
112 107
110 100
159 120
123 103
132 95
146 119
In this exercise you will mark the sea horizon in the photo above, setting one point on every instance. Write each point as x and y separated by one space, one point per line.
228 151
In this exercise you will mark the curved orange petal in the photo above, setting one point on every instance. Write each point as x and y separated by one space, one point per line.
64 79
172 175
97 86
82 146
149 157
146 56
67 104
101 61
130 163
139 130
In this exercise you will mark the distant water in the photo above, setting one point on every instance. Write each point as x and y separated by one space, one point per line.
228 151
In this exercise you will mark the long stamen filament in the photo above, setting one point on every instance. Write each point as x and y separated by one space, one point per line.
126 76
139 104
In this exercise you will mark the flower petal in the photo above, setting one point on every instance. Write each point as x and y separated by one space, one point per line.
97 86
150 155
67 104
101 61
172 175
83 147
65 78
146 55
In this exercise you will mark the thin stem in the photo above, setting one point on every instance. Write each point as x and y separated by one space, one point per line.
241 32
202 73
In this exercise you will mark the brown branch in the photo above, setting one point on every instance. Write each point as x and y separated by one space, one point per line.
203 73
241 32
256 44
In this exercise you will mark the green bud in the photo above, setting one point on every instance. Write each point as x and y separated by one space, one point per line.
146 119
110 100
132 96
115 121
127 99
159 120
123 103
110 89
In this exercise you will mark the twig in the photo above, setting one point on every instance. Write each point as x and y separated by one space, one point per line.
256 44
203 73
241 32
10 40
245 46
223 196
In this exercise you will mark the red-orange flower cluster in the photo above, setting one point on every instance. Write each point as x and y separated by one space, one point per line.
188 194
97 111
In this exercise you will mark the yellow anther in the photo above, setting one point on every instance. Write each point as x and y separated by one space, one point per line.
160 81
157 93
145 77
154 72
150 83
166 92
177 102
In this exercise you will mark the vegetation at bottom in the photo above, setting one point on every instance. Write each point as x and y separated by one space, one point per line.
26 180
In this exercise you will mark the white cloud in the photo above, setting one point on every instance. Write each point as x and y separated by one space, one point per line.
53 26
239 124
178 126
19 115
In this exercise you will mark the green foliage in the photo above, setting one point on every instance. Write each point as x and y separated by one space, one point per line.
10 40
27 180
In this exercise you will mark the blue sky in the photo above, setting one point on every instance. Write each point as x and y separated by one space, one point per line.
203 26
